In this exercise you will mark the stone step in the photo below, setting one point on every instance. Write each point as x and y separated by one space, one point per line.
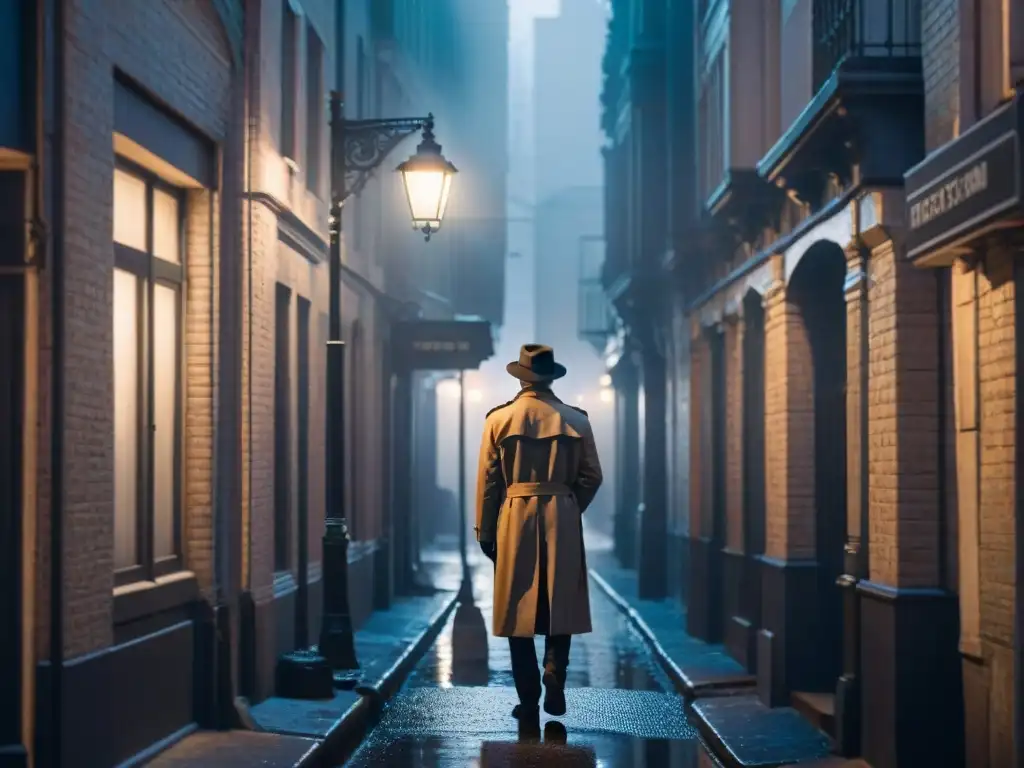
819 709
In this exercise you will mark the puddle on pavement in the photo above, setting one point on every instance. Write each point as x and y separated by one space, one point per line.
611 656
463 724
557 750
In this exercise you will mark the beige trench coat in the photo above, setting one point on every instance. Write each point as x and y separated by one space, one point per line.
538 473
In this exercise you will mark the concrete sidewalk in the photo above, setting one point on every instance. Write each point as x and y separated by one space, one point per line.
697 668
739 729
299 734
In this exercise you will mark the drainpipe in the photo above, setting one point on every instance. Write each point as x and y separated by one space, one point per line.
57 400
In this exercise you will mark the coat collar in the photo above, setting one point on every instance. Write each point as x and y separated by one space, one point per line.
540 394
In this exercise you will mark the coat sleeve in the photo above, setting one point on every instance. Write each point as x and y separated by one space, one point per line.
490 487
589 477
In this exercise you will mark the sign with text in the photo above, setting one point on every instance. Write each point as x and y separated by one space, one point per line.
442 345
965 187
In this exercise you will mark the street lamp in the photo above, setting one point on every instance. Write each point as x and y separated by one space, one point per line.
427 177
358 147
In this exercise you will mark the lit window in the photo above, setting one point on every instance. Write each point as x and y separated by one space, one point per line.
148 276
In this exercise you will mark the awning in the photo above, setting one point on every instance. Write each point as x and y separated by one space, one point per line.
441 345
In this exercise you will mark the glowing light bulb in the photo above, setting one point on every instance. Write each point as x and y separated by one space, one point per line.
607 395
606 380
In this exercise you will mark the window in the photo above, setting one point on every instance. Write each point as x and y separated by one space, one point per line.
282 430
148 277
314 108
302 403
289 79
713 125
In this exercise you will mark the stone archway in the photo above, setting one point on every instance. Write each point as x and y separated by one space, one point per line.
816 291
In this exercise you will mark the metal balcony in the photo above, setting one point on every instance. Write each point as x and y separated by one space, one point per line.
596 320
872 31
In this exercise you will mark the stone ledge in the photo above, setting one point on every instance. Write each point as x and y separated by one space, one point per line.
696 668
744 733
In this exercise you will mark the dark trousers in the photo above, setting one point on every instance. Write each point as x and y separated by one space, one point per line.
525 672
524 654
524 664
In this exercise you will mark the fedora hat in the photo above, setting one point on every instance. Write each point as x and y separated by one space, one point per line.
536 363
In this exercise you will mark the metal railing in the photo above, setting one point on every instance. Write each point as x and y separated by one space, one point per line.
846 29
595 320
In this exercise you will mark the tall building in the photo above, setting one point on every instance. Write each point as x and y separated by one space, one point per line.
845 310
165 178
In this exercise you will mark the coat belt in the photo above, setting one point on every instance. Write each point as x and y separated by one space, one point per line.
525 490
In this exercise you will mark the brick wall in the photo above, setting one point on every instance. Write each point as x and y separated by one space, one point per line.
940 51
903 422
200 376
882 421
988 670
178 52
997 534
789 427
274 262
733 350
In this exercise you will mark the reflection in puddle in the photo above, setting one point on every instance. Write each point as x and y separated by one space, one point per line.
589 750
612 656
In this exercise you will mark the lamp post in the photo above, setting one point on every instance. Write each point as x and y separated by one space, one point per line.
466 588
358 148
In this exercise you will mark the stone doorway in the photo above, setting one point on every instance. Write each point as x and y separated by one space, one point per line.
816 289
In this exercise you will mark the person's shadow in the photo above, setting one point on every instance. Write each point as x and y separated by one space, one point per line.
469 646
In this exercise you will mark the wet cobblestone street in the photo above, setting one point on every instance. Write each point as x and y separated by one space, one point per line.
455 708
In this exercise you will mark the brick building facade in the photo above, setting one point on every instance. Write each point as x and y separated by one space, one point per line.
164 169
852 467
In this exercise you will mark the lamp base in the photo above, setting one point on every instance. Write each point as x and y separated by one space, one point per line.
304 674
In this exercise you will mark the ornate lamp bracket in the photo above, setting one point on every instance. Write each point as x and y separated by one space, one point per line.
365 144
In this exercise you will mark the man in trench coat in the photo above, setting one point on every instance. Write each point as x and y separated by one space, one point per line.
538 473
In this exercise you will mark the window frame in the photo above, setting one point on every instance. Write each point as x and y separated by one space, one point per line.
151 270
315 108
283 398
291 31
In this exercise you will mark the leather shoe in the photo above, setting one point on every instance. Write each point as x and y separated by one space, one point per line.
523 712
554 694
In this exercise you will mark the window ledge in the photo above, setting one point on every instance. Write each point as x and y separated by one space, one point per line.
146 598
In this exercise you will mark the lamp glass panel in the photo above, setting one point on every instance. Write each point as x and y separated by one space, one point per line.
445 191
426 191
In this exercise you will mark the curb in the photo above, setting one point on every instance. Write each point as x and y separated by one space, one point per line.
348 732
684 684
679 679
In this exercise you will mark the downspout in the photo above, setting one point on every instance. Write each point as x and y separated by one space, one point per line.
57 399
250 54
